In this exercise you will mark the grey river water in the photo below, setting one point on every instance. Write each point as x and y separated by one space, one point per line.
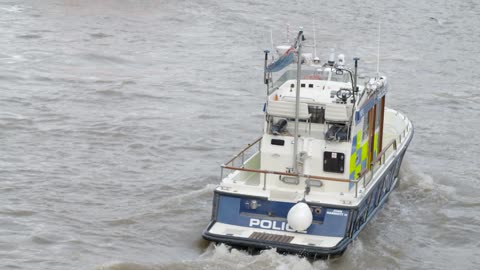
115 116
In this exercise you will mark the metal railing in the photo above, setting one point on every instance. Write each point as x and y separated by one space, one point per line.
380 159
366 174
242 153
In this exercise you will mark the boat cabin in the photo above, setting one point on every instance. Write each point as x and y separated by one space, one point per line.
339 130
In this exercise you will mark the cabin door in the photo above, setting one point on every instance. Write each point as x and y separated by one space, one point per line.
371 135
375 131
381 111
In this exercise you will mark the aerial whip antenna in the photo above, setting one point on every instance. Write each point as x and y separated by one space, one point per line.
314 40
378 48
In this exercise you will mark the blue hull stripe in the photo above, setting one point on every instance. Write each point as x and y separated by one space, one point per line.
232 210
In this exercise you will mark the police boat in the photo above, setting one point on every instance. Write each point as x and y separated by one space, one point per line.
327 160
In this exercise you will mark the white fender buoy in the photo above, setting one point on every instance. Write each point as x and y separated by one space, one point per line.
300 217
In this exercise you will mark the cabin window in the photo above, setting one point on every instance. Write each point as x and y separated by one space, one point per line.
378 115
337 132
317 114
366 125
278 142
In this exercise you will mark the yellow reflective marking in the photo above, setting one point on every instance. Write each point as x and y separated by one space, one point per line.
357 171
353 157
365 151
359 138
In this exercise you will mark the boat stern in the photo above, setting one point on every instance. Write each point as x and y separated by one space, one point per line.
259 223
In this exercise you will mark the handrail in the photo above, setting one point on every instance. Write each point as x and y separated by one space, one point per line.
287 174
379 157
361 176
244 150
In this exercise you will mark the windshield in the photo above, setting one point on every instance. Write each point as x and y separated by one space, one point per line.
312 74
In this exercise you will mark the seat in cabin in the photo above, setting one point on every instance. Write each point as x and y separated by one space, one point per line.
287 110
336 113
338 121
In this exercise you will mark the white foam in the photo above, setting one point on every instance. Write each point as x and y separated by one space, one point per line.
13 9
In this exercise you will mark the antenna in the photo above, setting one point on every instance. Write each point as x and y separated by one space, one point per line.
288 33
378 48
271 39
314 40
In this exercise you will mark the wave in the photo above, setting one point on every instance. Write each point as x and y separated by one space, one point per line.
223 257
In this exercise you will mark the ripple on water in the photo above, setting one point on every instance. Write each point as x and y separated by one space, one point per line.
29 36
17 213
42 240
100 35
105 58
120 222
13 9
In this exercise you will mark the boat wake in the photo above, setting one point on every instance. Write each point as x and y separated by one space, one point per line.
420 186
381 237
222 257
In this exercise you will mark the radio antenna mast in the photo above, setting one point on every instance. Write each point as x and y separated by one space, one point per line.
314 40
378 48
